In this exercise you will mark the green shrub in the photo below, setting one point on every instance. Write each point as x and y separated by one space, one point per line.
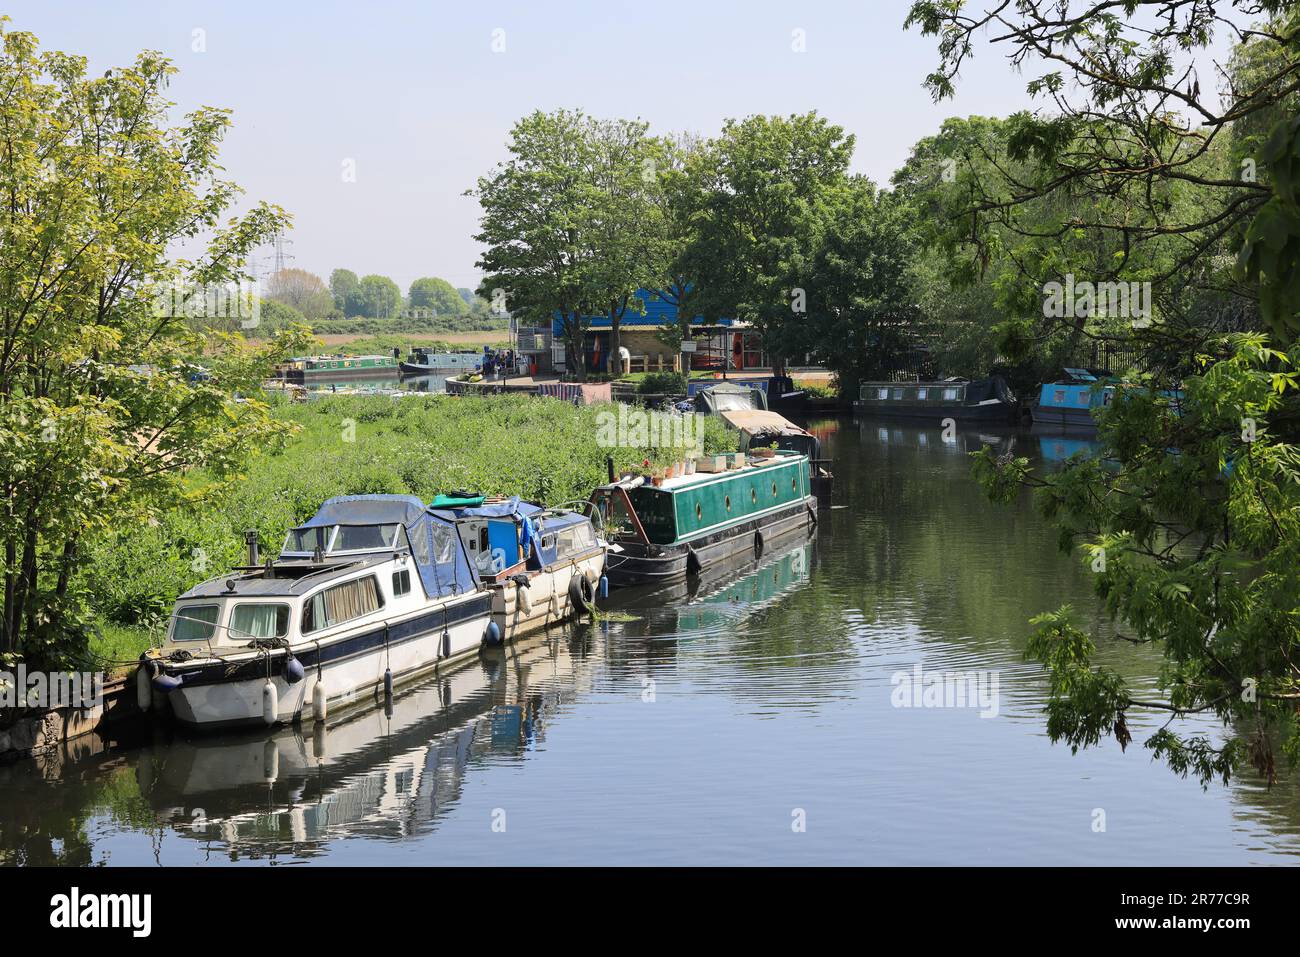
663 383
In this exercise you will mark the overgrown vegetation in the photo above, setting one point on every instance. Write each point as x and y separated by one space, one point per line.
543 449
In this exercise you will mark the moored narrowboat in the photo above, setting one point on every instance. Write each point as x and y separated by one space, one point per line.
963 400
425 361
373 590
307 369
540 565
1065 407
661 532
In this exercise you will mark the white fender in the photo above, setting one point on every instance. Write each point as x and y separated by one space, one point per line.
143 688
523 599
319 702
270 702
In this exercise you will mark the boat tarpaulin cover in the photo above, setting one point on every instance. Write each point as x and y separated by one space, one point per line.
438 551
452 501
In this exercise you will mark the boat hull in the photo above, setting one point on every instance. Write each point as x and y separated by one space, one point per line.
645 564
1057 421
549 601
999 412
225 693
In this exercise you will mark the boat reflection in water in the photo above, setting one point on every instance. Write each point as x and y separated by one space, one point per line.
376 774
957 439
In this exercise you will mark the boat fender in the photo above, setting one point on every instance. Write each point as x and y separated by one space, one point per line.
270 761
581 594
165 683
523 599
604 586
293 670
446 643
270 702
143 687
758 543
692 561
492 634
319 701
388 684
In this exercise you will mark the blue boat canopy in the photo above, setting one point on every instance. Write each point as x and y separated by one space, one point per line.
436 547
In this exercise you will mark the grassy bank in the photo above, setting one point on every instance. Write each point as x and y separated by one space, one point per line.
545 450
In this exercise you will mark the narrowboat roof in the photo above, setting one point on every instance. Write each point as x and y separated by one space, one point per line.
683 482
757 421
291 578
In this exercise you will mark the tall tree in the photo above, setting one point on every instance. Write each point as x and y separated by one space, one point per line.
768 184
437 294
343 283
375 297
303 290
100 412
549 215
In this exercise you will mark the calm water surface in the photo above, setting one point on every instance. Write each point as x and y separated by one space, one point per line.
706 727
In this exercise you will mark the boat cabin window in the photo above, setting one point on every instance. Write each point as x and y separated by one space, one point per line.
574 540
401 582
922 393
1058 395
362 538
194 622
341 603
308 539
949 394
259 621
882 393
898 393
655 509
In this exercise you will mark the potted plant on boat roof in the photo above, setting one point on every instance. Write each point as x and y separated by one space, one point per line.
765 451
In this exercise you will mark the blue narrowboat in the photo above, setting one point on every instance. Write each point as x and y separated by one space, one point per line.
1066 405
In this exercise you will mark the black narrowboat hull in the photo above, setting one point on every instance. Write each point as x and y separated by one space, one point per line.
644 564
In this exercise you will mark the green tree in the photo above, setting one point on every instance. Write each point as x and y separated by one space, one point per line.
439 295
343 283
768 187
547 219
101 406
375 297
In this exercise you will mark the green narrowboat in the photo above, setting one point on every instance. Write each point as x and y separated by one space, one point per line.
661 532
317 368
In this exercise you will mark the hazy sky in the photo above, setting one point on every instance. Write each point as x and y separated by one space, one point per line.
415 96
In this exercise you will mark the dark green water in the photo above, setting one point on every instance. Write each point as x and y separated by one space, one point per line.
748 719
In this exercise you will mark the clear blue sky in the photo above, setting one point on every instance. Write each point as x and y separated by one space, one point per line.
415 95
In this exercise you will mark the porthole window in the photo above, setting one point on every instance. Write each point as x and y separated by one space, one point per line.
699 511
728 503
753 496
793 486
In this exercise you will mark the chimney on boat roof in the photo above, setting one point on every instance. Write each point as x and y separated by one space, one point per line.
250 539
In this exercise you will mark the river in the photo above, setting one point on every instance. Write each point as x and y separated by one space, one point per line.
753 717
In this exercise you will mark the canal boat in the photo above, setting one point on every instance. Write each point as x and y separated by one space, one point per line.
761 430
963 400
730 506
1065 407
307 369
425 361
372 591
540 565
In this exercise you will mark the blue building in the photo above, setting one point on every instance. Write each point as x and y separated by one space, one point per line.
726 344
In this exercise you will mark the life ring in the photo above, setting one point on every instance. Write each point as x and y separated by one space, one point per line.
581 594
